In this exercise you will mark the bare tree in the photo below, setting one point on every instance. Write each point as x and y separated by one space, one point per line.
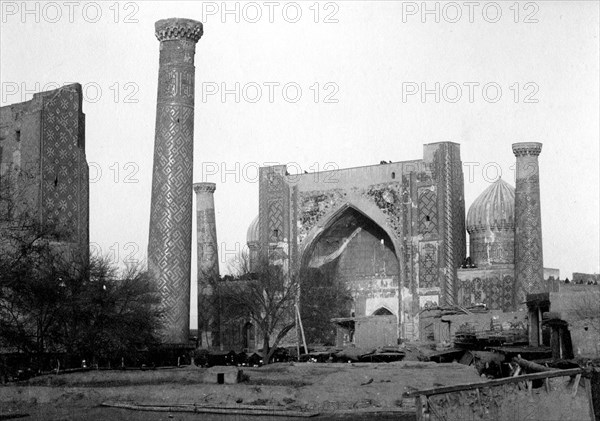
322 298
209 304
265 295
53 298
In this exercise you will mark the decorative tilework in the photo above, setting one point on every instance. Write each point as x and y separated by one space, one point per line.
64 173
169 245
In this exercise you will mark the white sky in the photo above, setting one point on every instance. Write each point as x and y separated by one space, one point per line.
366 56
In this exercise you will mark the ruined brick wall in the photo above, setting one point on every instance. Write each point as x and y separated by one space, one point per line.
579 305
45 139
445 327
551 399
583 278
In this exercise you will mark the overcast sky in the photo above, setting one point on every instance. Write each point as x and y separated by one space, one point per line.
326 85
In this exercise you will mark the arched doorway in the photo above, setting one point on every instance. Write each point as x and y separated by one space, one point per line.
382 311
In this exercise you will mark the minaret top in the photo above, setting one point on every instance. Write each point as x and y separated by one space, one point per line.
204 187
178 29
527 148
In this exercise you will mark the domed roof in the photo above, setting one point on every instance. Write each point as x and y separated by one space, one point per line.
252 234
493 209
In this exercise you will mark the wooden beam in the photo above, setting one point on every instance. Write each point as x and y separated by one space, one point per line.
531 366
493 383
421 404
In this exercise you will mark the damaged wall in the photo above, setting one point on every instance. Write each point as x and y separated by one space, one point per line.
579 306
445 327
44 138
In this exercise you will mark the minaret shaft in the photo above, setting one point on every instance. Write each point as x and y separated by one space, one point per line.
208 263
529 259
170 238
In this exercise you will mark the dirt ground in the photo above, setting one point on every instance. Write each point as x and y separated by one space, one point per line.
343 391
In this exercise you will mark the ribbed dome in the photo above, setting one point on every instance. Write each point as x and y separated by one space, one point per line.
493 209
252 234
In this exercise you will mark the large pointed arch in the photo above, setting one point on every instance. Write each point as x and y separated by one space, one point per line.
362 206
375 216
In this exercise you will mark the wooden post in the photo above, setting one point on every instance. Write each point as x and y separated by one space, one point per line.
297 336
422 405
539 327
301 329
576 385
587 383
560 342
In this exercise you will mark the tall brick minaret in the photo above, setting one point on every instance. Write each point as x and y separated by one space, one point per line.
208 261
529 259
170 239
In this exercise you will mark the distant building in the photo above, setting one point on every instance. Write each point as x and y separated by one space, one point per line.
551 273
585 278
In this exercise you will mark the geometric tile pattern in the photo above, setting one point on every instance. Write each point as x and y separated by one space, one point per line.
64 170
447 172
428 267
275 220
427 212
495 291
170 236
528 230
274 216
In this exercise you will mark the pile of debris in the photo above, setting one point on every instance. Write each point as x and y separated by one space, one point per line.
354 354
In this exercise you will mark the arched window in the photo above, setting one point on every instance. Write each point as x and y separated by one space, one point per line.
382 311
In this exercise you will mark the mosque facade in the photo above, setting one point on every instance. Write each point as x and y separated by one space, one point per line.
395 233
